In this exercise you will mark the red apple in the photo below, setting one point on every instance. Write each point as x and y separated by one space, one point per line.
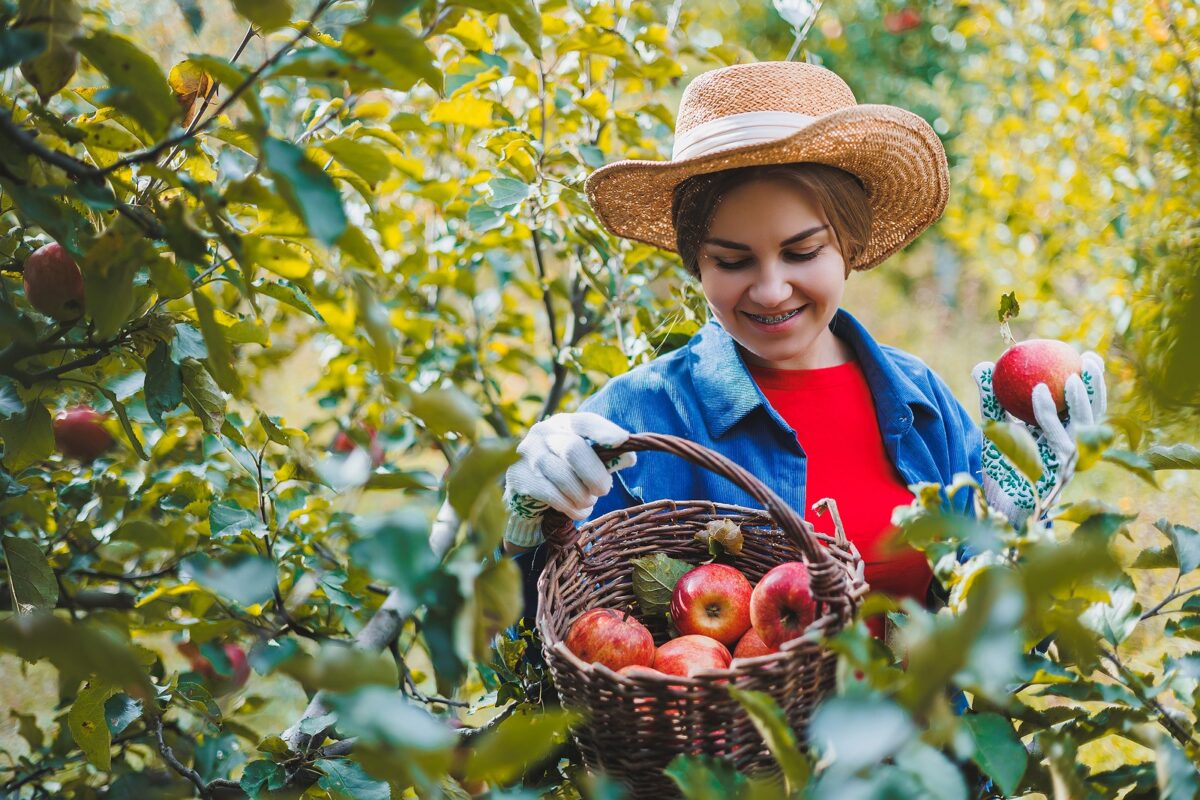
53 282
712 600
79 433
1025 365
903 20
638 671
344 443
612 638
690 654
220 681
751 645
782 605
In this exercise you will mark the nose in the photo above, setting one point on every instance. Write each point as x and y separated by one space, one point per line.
770 288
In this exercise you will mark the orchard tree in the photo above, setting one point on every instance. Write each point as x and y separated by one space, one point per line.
377 207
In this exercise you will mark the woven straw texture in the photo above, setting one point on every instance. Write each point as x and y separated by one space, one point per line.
896 154
634 726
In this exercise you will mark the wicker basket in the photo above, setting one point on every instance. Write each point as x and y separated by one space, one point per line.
634 726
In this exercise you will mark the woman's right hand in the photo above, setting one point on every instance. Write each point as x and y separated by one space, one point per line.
559 469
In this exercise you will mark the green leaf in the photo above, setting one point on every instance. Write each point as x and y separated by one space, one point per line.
1132 462
395 52
17 45
10 399
191 13
1156 558
998 751
188 343
1177 777
346 780
220 354
56 22
1186 543
360 157
522 15
395 549
781 740
522 740
169 278
228 519
137 84
89 727
707 778
265 14
246 580
74 648
861 731
306 188
28 437
1009 307
507 192
30 579
482 465
1017 445
108 268
654 579
374 317
121 711
446 409
1177 456
355 244
937 775
230 76
260 776
164 383
498 601
277 257
202 395
287 293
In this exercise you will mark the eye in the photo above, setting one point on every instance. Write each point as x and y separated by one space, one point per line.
730 264
809 256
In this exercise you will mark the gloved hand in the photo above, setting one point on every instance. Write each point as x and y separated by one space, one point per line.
1005 489
559 469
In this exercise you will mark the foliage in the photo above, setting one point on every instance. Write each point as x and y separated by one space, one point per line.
378 205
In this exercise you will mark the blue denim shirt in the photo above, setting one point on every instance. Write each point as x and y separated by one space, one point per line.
704 392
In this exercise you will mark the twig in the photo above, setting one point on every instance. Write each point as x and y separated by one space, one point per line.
174 763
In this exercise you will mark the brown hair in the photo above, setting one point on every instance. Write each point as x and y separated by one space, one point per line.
838 193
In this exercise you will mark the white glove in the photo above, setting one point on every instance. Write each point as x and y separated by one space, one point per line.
1005 489
559 469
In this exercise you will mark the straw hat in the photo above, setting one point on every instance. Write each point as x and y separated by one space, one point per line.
778 112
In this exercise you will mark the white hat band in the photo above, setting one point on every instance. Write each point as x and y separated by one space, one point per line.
736 130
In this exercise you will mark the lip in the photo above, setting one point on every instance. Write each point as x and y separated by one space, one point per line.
778 328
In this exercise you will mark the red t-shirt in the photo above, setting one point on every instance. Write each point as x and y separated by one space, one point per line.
833 414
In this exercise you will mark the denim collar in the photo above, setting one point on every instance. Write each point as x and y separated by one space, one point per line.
726 392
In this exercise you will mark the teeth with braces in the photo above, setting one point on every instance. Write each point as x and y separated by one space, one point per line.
780 318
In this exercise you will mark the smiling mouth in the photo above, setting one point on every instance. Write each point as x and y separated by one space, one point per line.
771 320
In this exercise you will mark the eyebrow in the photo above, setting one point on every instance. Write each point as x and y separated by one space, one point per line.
802 235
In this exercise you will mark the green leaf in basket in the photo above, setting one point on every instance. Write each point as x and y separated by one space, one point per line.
654 579
772 725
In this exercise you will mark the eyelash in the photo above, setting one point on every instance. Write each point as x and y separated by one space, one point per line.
809 256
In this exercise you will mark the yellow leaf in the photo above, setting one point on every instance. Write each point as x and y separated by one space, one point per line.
466 110
595 103
275 256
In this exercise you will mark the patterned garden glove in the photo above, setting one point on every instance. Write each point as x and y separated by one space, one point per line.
559 469
1005 489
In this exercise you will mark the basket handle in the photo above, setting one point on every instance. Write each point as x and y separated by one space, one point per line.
559 530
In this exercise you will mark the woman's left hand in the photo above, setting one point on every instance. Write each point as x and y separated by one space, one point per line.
1004 487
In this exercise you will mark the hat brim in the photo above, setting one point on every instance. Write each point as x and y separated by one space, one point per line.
896 154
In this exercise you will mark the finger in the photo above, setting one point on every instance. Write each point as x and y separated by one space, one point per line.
1093 377
1079 408
1046 414
580 514
596 428
622 461
582 460
989 406
560 485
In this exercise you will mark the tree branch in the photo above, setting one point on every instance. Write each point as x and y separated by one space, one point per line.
174 763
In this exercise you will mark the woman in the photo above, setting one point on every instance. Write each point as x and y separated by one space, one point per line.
781 185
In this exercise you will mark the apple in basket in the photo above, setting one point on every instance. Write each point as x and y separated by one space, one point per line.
751 645
610 637
1025 365
712 600
687 655
782 605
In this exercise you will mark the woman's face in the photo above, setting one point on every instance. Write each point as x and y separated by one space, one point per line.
770 252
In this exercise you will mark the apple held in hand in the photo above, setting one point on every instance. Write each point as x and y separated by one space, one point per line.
782 604
751 645
712 600
690 654
612 638
53 282
79 433
1025 365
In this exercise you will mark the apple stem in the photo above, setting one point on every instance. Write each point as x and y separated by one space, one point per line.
1006 334
830 505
